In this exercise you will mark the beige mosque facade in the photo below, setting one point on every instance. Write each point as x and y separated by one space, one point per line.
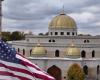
61 48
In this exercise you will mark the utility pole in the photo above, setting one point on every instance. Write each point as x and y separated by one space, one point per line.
1 17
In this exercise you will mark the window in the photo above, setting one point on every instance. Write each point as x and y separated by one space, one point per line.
64 77
49 40
18 50
86 41
73 33
57 53
30 52
56 33
83 54
53 40
62 33
68 33
93 53
85 69
23 51
98 69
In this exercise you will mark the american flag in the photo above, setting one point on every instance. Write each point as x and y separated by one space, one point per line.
13 66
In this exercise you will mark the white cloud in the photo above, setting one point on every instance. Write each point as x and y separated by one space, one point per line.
83 17
97 24
35 15
93 9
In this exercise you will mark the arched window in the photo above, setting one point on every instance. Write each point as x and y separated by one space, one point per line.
30 52
84 41
57 53
98 69
85 69
93 53
23 51
18 50
83 54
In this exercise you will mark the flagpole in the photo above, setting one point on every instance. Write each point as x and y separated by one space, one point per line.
1 18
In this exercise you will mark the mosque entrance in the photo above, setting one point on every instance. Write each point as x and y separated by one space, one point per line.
55 72
85 69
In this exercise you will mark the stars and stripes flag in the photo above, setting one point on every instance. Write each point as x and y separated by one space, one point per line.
13 66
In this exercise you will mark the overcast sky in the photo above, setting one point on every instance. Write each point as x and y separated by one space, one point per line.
35 15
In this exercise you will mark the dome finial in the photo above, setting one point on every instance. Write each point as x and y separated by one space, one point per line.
38 44
72 42
62 11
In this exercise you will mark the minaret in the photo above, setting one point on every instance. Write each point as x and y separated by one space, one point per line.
1 17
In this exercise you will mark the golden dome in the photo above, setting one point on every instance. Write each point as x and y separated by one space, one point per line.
62 21
39 50
73 51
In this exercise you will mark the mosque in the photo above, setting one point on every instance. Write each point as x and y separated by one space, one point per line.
61 48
